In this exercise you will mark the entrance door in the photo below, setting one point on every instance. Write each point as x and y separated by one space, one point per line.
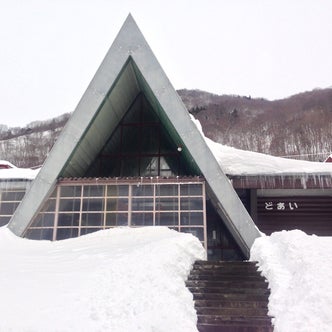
220 243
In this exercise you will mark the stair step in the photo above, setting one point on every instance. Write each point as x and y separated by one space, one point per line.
227 263
227 271
230 297
234 320
223 266
257 284
202 275
232 328
230 304
216 264
232 312
229 290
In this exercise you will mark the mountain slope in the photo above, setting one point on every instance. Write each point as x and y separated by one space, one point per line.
299 126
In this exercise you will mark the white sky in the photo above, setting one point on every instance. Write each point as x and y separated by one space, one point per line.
50 49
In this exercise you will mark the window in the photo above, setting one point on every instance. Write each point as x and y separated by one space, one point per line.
9 201
74 210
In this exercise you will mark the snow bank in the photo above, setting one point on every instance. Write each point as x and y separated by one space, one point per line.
115 280
299 270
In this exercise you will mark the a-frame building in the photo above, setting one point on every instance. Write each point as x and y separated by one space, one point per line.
131 155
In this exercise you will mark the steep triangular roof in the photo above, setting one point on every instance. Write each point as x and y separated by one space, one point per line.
130 68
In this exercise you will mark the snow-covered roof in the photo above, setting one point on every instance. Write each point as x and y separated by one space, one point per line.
328 159
18 174
4 164
239 162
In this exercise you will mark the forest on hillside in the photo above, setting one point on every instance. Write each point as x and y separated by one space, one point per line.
298 127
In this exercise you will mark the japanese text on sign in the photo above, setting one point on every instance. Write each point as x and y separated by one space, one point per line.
281 206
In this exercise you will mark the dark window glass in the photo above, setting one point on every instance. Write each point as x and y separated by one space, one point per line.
12 195
117 204
69 205
92 219
142 219
191 218
142 190
54 192
93 204
167 190
68 219
149 166
142 204
70 191
150 139
117 190
131 141
93 191
191 203
168 166
43 220
85 231
8 208
4 221
130 166
49 206
66 233
231 255
167 204
116 219
39 234
191 189
196 231
167 219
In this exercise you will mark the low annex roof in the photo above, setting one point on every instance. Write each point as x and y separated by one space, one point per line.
128 70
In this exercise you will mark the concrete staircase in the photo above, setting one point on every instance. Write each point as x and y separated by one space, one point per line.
229 297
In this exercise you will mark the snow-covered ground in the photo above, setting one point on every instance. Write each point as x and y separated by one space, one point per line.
115 280
133 279
299 270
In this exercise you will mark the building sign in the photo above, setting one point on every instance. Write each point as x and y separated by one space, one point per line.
282 205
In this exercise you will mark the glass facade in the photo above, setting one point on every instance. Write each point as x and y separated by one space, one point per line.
9 201
76 209
140 146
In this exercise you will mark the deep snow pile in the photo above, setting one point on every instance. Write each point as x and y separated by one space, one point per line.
115 280
299 270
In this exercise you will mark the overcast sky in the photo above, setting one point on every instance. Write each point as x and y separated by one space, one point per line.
50 49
